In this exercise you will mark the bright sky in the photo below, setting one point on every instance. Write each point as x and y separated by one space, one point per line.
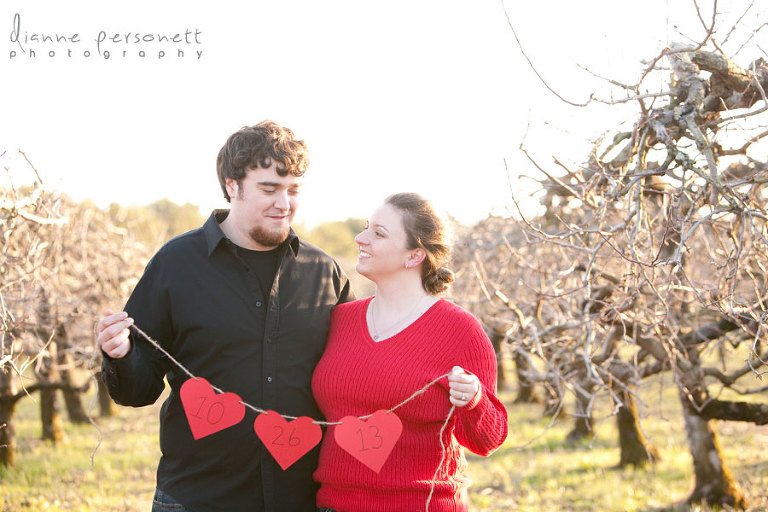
429 96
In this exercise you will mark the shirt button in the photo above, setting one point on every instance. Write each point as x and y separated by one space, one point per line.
258 303
269 379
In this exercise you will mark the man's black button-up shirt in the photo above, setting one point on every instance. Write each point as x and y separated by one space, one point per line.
199 299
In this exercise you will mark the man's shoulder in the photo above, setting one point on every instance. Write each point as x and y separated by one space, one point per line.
311 252
311 248
185 242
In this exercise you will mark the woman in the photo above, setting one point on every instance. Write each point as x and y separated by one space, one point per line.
384 349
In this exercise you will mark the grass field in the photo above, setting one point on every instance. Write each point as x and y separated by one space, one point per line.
534 470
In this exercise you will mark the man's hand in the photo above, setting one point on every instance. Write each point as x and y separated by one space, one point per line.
112 333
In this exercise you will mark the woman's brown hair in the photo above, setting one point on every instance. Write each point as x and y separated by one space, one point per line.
426 230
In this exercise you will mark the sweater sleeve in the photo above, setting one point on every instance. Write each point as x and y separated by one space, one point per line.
481 425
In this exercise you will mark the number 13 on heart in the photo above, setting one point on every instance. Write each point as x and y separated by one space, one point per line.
370 441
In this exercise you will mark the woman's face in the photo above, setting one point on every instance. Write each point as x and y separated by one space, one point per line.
382 244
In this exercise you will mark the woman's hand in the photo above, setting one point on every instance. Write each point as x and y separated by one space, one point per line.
464 386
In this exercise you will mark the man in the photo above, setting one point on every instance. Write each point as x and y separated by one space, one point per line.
244 304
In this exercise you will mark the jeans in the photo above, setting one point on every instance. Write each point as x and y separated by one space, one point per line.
164 503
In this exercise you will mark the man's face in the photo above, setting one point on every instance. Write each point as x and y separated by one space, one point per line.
263 205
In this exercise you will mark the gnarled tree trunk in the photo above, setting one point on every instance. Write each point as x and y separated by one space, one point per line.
554 398
47 375
582 423
497 339
106 405
526 391
72 394
635 448
7 413
714 484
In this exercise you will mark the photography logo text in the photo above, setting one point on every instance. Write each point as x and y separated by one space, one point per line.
103 43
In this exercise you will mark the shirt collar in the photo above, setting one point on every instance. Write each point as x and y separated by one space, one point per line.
214 235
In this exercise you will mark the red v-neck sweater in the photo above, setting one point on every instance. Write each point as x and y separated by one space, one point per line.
357 376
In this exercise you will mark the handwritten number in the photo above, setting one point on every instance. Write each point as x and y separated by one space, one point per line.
379 440
214 414
202 403
279 435
377 436
217 415
280 441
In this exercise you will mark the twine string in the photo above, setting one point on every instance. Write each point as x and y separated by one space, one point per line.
169 356
329 423
442 458
93 423
287 416
417 393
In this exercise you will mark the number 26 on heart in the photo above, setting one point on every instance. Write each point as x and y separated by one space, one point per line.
280 439
287 441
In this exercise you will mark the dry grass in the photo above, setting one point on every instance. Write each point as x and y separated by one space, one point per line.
534 471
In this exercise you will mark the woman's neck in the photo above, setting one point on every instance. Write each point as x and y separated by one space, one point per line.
397 293
394 308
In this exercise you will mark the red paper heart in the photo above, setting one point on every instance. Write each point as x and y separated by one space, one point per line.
287 442
208 412
370 441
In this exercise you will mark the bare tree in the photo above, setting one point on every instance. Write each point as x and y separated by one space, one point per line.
650 257
62 263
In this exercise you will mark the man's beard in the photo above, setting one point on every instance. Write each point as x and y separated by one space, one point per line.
269 238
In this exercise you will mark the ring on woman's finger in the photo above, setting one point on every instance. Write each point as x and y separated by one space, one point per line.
463 397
